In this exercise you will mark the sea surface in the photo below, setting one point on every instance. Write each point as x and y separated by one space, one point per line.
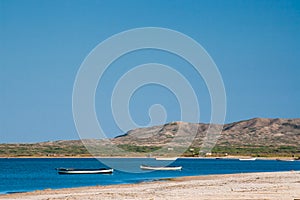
29 174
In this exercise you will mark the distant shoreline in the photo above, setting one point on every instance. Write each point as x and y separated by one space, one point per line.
71 157
257 137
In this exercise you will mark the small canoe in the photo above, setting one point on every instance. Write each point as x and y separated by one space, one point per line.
84 171
247 159
146 167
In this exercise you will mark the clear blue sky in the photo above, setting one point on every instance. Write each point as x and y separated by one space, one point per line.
255 44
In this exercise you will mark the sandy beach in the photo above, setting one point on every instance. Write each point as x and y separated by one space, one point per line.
273 185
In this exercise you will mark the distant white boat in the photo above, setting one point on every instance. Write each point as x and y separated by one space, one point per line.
286 160
247 159
84 171
146 167
173 158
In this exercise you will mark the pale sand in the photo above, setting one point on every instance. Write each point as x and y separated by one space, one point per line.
274 185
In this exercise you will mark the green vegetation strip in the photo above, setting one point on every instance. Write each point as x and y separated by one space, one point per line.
56 150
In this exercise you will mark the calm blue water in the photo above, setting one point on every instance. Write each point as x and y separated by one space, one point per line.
18 175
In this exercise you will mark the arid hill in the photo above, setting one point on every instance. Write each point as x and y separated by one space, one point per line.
256 137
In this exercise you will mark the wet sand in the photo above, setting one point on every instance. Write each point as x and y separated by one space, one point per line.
271 185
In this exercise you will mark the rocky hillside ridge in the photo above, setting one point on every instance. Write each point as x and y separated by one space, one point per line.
258 136
253 132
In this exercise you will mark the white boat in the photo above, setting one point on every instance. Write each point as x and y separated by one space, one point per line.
247 159
171 158
84 171
286 160
146 167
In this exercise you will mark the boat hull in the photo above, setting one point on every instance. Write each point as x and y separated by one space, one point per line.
286 160
247 159
160 158
143 167
85 171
